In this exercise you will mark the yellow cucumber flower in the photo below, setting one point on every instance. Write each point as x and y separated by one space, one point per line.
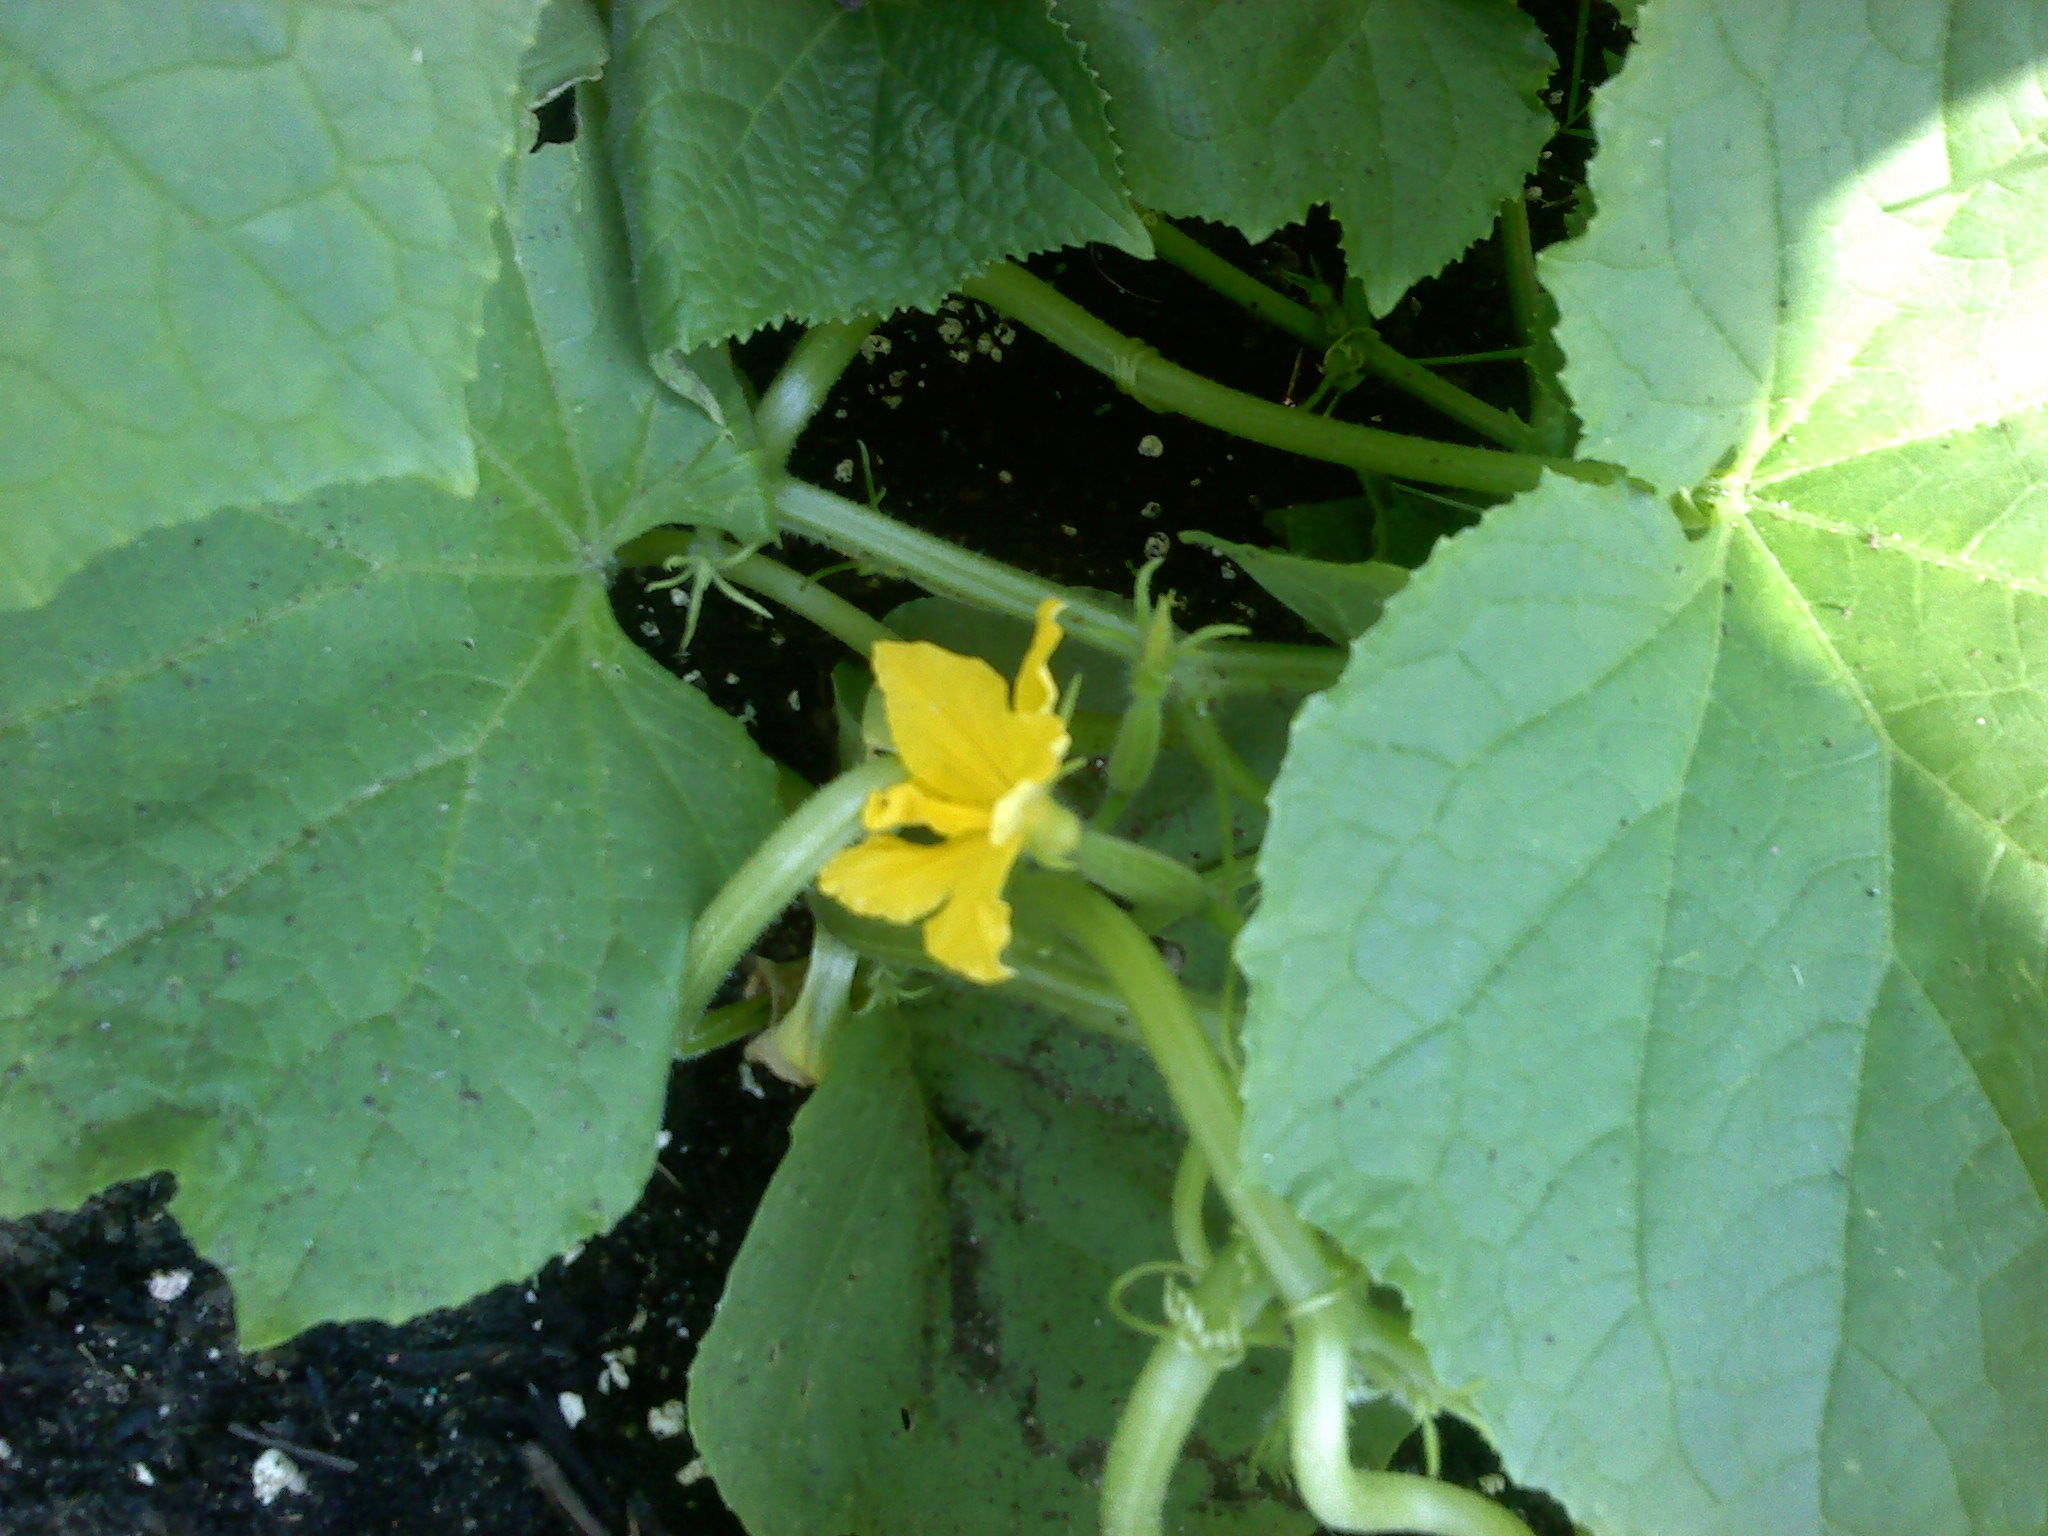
982 757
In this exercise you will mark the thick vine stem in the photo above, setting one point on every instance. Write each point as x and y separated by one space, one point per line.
773 877
1169 1393
1348 1498
1164 386
1206 671
795 394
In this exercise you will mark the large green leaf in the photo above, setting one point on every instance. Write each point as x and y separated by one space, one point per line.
1778 183
349 852
1412 119
796 158
1680 1044
1623 993
244 254
915 1335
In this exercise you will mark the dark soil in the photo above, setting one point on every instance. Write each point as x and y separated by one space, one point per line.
122 1414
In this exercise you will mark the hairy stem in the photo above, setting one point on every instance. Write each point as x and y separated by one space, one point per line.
1164 386
950 571
795 394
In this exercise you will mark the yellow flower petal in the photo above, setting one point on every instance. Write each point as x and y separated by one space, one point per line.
912 805
1036 693
971 931
894 879
953 726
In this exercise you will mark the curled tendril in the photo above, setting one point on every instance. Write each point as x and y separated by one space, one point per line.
1171 1268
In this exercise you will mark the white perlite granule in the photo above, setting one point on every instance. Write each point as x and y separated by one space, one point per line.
274 1475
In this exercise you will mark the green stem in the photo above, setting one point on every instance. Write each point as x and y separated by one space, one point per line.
810 599
1348 1498
774 876
1165 386
1168 1394
1190 1194
795 394
1439 393
1195 1078
1518 255
1178 249
1455 359
950 571
1364 344
1548 418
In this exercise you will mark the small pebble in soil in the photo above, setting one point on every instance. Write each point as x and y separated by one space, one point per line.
143 1475
843 471
1150 509
274 1475
570 1406
168 1285
1150 447
1157 546
695 1472
667 1420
